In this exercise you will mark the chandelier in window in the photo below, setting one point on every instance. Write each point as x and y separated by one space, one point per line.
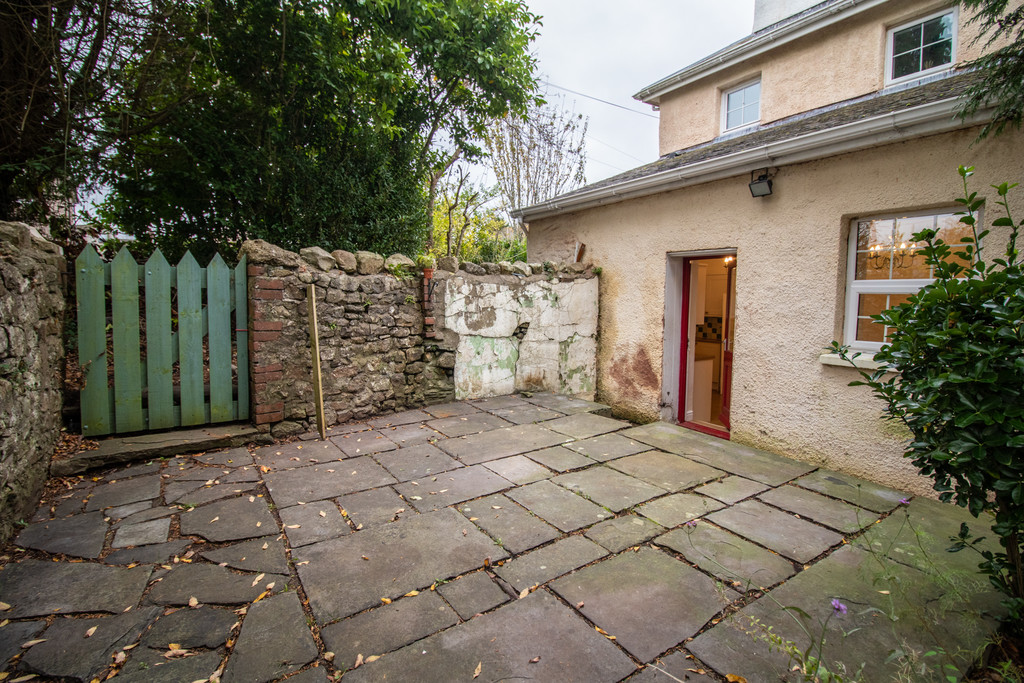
900 255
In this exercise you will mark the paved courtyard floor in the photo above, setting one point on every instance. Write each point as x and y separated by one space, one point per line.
510 538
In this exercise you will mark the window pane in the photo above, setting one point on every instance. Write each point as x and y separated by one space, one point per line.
752 93
735 101
937 54
906 64
952 231
751 113
870 331
871 304
907 39
940 28
734 118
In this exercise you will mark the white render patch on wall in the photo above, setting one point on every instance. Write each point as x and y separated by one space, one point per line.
530 334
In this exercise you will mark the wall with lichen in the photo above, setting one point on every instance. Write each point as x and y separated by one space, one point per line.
31 355
518 332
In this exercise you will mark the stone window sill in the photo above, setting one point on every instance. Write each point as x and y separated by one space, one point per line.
865 361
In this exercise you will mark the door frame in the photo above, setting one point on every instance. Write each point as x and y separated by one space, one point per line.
674 394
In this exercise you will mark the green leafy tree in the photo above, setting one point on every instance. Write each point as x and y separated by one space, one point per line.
1001 31
953 374
319 122
467 226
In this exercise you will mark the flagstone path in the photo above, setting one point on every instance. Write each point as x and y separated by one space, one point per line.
502 539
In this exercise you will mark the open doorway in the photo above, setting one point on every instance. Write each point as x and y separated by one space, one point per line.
707 321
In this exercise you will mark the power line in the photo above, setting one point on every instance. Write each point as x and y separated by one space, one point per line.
615 148
598 99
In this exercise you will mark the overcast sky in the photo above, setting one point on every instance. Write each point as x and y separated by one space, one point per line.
610 49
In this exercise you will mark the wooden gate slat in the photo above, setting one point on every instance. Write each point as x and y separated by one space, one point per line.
159 357
242 338
124 294
190 340
218 308
90 276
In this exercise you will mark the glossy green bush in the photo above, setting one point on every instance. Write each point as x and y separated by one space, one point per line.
954 376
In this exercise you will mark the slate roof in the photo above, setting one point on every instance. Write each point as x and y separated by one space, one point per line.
800 124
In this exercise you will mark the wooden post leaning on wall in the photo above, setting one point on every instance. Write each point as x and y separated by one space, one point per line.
314 344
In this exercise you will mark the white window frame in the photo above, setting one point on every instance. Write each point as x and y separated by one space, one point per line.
725 106
855 287
889 80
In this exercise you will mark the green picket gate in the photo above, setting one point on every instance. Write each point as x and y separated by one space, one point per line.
188 365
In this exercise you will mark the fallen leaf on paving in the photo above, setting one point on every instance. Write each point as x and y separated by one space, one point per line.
214 519
300 502
4 607
259 524
523 593
365 557
372 658
415 498
258 579
359 661
270 586
399 511
473 519
464 532
120 657
579 605
22 679
358 527
479 666
534 660
30 643
173 646
299 564
261 596
884 592
487 562
292 526
129 647
90 632
495 507
411 594
193 602
732 678
265 546
252 499
329 656
170 654
4 622
323 514
386 601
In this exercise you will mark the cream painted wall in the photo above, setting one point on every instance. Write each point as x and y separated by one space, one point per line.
789 293
840 62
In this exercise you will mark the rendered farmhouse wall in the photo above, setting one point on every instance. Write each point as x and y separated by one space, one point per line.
31 353
389 342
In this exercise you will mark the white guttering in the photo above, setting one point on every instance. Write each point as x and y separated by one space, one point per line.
755 45
905 124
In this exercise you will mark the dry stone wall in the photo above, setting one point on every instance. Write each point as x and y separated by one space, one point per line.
31 354
392 340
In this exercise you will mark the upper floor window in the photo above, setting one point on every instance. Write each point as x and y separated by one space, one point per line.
885 267
741 106
923 47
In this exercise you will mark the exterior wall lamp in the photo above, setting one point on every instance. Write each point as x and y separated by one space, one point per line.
760 186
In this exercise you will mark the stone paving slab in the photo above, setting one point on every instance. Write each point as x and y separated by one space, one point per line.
274 641
314 674
608 488
557 506
213 585
559 459
264 555
501 443
842 517
636 597
205 627
149 666
409 554
233 457
859 492
148 514
526 414
148 554
519 469
81 535
785 534
29 588
312 522
411 434
377 506
66 651
584 425
330 480
732 489
620 533
413 462
15 634
503 643
123 492
398 419
292 455
494 403
607 447
387 628
452 487
504 520
208 494
145 533
678 508
872 594
566 404
731 558
451 409
234 519
461 425
364 443
665 470
672 668
473 594
540 566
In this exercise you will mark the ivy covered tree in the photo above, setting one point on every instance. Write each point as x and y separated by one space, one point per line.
1001 32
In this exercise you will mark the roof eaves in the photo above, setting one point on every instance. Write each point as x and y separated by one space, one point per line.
789 29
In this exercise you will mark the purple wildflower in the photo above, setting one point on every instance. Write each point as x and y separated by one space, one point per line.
904 501
692 523
838 607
